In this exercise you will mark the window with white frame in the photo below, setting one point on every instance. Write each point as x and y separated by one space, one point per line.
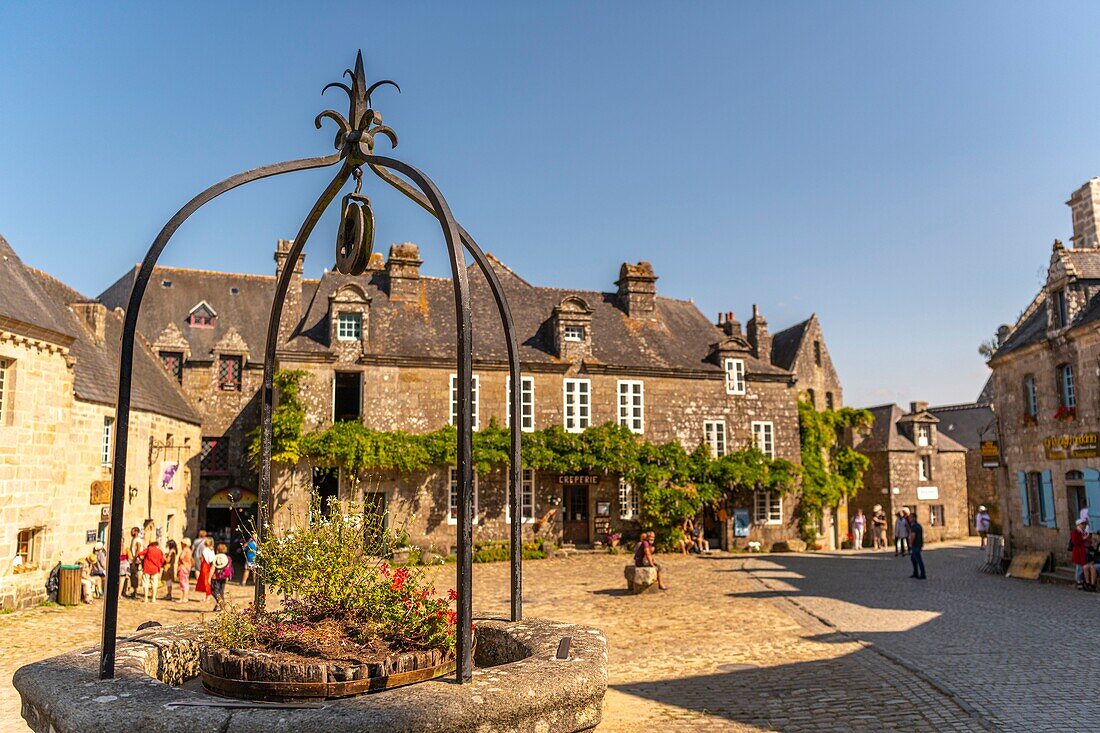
5 388
735 376
763 437
526 404
628 501
574 333
108 437
349 326
526 497
632 405
924 468
924 435
1031 396
578 404
714 431
767 507
454 401
452 498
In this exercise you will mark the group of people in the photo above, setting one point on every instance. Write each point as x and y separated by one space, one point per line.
693 539
908 535
1084 549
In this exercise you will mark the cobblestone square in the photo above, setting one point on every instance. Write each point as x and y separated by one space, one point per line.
826 642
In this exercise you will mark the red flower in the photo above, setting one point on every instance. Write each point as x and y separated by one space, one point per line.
452 618
452 595
399 578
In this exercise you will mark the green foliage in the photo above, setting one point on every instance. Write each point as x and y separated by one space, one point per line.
497 550
831 472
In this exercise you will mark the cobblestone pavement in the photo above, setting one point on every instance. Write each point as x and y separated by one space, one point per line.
1022 656
733 646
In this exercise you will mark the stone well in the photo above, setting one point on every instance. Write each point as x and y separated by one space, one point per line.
518 685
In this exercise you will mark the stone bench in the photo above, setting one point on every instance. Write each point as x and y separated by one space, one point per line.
640 580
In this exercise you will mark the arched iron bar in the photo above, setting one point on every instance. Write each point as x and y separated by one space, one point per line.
125 375
515 390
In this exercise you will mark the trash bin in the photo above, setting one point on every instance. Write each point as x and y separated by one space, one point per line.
68 592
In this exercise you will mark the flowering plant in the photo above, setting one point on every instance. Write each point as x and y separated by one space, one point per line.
1065 413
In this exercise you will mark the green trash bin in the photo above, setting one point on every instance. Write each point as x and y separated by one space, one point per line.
68 588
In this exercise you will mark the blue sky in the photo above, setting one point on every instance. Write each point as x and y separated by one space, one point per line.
899 168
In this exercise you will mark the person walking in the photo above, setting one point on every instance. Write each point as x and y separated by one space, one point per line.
99 567
982 521
196 551
206 566
859 525
152 564
901 534
223 571
916 545
137 546
169 573
184 565
878 527
251 548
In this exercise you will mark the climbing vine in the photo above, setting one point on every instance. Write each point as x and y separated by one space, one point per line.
670 482
831 471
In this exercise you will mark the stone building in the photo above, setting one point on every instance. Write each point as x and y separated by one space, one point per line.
58 386
1046 393
801 350
379 348
914 464
974 426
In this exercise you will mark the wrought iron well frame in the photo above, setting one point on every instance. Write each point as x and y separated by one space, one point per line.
355 149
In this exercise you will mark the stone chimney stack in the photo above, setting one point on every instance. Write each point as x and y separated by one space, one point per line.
915 407
1085 205
94 316
729 325
637 289
292 306
759 337
403 269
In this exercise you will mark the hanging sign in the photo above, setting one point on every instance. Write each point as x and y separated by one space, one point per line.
578 480
991 454
1081 445
101 492
169 475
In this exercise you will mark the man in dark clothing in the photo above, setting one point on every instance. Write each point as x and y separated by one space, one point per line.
916 545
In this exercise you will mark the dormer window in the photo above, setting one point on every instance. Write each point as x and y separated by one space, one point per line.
349 326
574 333
1061 309
201 316
735 376
924 435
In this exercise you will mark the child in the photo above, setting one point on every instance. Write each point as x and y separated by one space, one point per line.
184 562
223 571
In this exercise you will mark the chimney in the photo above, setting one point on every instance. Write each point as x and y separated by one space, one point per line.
94 316
729 325
759 337
915 407
292 306
1085 205
637 289
376 263
403 269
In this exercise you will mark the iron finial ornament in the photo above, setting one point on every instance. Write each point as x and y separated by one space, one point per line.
354 143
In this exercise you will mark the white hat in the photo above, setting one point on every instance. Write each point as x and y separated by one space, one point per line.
981 508
220 560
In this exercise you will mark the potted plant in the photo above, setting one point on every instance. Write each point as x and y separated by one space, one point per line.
349 622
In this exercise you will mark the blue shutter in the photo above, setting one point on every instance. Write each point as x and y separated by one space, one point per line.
1021 479
1046 500
1092 493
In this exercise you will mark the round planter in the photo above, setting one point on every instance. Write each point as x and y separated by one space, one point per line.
257 675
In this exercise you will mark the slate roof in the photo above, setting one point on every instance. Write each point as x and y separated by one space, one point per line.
678 338
23 300
95 367
967 424
885 435
786 343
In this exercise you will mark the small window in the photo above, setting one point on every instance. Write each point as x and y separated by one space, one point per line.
812 398
632 405
166 283
454 401
935 515
173 363
924 468
714 432
1031 397
234 290
201 320
1061 309
214 457
28 547
1065 386
578 413
628 501
108 439
526 497
924 435
347 397
829 404
574 333
735 376
526 403
452 497
763 437
349 326
229 373
817 353
767 507
5 388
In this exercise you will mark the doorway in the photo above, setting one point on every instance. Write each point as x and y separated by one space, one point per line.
714 527
1076 499
574 525
326 487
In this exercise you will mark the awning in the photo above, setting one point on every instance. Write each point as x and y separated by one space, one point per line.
232 497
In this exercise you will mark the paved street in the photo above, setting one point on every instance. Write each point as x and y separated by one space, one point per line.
788 643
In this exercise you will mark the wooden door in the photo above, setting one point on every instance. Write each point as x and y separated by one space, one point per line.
575 515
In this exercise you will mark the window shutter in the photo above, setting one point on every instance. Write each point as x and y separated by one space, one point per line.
1092 493
1046 490
1021 479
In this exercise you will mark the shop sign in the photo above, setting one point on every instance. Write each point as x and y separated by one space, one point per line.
991 454
169 475
101 492
928 493
740 522
1082 445
578 479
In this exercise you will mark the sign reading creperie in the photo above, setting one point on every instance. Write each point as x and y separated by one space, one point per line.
1082 445
578 480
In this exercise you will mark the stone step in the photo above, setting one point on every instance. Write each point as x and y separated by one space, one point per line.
1062 575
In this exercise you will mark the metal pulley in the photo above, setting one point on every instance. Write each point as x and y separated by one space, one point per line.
355 237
